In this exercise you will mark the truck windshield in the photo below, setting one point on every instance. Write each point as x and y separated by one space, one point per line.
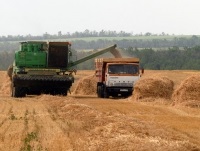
123 69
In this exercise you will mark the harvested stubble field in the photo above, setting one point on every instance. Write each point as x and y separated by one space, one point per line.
81 121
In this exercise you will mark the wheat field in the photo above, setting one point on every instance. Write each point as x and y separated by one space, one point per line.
81 121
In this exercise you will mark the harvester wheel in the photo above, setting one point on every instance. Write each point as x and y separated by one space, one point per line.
58 91
15 92
63 92
18 92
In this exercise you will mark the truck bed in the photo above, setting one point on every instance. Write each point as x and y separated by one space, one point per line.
117 60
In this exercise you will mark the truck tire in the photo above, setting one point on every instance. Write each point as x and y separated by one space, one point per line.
105 93
100 91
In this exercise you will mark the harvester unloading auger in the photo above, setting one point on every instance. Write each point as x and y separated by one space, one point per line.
44 67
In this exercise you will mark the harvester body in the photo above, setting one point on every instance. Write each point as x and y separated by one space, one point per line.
44 67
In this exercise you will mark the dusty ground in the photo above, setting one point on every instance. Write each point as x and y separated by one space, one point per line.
85 122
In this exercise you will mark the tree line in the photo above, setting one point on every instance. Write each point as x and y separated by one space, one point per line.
138 43
60 35
77 34
178 52
171 59
158 43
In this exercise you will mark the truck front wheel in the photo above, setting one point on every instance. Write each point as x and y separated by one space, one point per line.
105 94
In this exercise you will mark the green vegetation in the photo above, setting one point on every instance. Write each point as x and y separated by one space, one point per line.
155 51
6 59
88 35
171 59
33 136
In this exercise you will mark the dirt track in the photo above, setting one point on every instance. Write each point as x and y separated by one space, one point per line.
88 123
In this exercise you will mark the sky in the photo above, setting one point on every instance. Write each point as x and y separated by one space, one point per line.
36 17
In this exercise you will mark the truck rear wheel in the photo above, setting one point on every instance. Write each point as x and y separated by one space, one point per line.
100 91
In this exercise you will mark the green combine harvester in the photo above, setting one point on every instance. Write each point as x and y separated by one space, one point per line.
44 67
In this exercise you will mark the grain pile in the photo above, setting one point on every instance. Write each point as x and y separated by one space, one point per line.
151 88
86 86
188 93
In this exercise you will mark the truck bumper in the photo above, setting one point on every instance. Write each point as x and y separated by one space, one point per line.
115 91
